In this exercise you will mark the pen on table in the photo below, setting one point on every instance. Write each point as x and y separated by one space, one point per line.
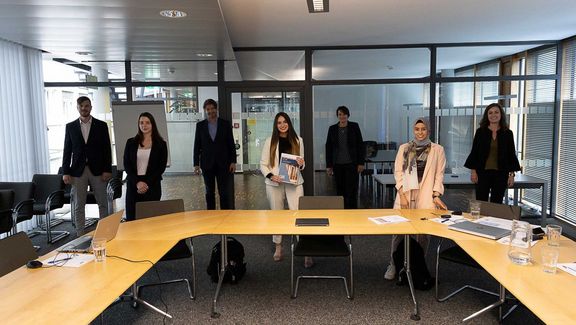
60 260
445 220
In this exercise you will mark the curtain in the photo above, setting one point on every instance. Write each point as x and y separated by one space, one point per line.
23 144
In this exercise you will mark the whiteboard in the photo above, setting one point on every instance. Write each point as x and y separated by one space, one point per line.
125 124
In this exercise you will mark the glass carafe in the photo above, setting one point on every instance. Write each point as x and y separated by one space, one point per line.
520 243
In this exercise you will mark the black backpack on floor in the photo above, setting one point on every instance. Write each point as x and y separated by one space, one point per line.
420 274
236 266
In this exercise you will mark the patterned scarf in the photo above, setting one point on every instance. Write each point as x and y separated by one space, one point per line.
416 150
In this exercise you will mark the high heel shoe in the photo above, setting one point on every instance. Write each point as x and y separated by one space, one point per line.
308 262
278 253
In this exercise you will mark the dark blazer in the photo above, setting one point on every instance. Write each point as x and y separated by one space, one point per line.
96 152
507 160
355 144
220 152
156 163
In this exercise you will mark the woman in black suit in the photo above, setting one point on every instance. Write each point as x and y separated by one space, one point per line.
492 161
145 158
345 155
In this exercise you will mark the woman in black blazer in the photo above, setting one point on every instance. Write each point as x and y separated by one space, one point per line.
492 161
145 158
345 155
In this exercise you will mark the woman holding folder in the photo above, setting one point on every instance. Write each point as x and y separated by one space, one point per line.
283 140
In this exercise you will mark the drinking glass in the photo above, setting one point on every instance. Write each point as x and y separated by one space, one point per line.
99 249
549 258
475 210
553 233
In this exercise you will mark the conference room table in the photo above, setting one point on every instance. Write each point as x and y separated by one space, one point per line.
462 181
78 295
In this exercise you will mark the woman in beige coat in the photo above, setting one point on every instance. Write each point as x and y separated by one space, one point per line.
419 175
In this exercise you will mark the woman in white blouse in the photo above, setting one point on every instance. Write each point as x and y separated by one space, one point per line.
283 140
145 157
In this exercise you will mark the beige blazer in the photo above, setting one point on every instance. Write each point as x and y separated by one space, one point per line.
432 180
265 167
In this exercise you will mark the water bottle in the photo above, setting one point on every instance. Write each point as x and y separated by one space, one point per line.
520 243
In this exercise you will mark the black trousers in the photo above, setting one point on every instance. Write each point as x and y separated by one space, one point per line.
225 181
347 184
154 193
491 183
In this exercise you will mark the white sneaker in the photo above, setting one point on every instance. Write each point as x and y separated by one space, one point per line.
390 272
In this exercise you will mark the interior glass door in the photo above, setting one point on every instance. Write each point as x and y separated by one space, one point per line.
252 121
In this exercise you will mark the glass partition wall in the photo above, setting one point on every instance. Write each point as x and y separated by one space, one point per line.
385 88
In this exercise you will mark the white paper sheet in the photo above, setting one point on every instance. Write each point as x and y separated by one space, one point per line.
386 220
568 268
69 260
453 219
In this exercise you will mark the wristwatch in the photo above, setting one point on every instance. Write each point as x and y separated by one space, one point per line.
436 195
512 174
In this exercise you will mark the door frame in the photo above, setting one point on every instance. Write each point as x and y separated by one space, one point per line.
306 119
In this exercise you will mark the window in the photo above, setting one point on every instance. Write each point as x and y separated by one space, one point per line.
565 203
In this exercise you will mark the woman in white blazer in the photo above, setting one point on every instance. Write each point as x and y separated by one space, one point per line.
419 175
283 140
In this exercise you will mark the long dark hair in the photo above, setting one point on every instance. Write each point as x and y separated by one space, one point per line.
156 137
292 138
484 122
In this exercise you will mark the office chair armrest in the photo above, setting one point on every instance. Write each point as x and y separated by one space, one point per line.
19 207
114 186
54 196
23 204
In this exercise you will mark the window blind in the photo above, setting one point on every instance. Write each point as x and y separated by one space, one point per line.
565 203
539 120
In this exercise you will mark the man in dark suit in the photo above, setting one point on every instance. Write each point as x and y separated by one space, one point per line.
215 153
87 159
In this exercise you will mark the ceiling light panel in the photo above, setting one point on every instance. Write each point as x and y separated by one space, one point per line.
316 6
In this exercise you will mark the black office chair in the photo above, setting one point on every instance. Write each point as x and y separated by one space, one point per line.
183 249
321 246
371 149
22 208
6 203
15 251
48 196
455 254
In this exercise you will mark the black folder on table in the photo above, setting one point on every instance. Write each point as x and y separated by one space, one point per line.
314 222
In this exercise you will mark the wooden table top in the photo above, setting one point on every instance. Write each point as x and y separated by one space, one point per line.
65 295
52 295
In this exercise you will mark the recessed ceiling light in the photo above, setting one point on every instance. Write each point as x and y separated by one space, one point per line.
173 13
204 55
83 53
315 6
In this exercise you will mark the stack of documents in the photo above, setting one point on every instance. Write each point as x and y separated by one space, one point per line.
387 220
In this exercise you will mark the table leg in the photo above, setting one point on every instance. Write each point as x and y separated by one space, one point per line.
415 315
499 303
544 213
223 267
